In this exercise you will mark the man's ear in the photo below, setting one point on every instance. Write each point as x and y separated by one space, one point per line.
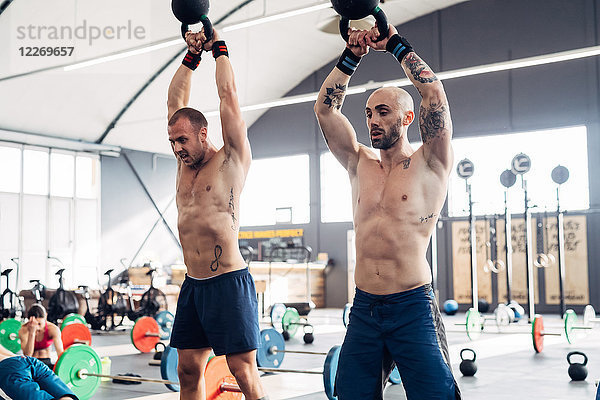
409 117
203 133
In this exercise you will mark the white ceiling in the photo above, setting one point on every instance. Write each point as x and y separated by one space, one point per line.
268 60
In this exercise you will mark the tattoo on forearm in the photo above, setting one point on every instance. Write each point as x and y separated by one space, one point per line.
335 96
418 69
232 209
406 163
432 121
214 265
427 218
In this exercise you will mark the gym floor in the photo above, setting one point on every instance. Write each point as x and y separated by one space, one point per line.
507 364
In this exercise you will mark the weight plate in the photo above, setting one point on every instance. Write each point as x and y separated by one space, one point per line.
277 311
9 334
395 376
168 367
502 316
289 321
536 333
589 315
474 324
75 333
217 372
75 359
520 164
571 321
465 168
346 314
72 318
270 339
330 370
508 178
560 174
165 323
139 338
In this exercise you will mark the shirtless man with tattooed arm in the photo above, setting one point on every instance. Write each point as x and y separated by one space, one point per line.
217 305
396 198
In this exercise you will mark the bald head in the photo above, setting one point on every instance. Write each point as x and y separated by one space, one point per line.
392 96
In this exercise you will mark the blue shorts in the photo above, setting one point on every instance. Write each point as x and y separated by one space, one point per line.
405 328
219 312
26 378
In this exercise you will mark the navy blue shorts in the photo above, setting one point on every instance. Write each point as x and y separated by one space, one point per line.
26 378
405 328
219 312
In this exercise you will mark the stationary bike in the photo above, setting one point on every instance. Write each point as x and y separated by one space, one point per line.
14 305
153 300
112 305
63 302
96 321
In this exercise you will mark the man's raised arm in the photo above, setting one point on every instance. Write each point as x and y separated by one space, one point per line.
435 123
179 89
337 130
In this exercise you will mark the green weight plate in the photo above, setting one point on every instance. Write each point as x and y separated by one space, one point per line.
289 321
330 370
474 324
9 334
72 318
79 358
570 322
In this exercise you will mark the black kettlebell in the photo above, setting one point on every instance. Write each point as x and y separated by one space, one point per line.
159 353
190 12
358 9
309 337
468 366
286 335
577 371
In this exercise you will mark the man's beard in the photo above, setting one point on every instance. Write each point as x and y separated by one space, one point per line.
387 140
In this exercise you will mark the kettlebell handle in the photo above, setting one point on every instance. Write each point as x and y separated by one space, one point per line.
208 29
473 352
577 353
380 18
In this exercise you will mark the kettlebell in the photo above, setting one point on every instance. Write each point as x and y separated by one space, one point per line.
308 334
468 366
190 12
158 353
358 9
577 371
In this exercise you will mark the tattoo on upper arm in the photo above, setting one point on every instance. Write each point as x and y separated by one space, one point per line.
232 209
335 96
214 265
432 121
418 69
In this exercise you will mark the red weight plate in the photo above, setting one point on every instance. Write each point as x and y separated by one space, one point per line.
75 333
536 333
217 373
145 334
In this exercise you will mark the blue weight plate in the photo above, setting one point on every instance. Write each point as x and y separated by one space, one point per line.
330 370
395 376
168 367
346 314
165 322
598 392
269 339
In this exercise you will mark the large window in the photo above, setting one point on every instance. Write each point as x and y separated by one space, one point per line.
336 193
491 155
273 185
56 213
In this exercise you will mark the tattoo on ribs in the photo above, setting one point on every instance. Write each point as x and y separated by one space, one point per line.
335 96
214 265
432 121
418 69
405 163
427 218
232 207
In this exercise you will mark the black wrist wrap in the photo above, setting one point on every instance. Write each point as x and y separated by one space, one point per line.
348 62
192 60
398 46
219 48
